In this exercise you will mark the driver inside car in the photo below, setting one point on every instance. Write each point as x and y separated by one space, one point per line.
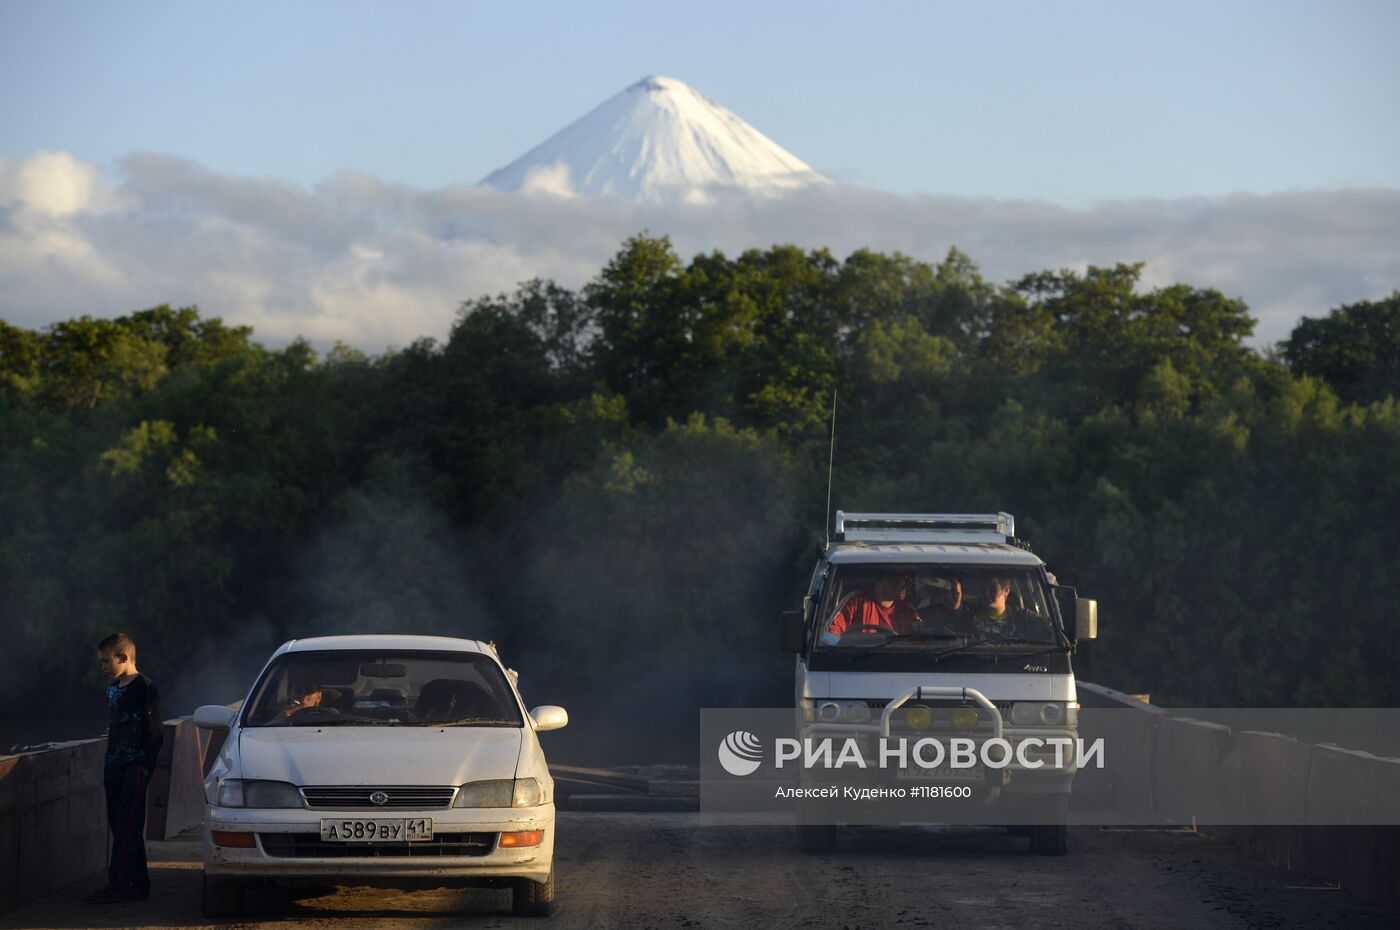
885 610
311 696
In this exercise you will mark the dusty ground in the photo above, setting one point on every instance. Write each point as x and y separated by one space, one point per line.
665 870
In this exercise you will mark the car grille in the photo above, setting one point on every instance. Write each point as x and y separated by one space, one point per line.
357 798
311 846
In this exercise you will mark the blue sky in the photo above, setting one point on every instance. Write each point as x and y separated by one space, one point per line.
305 167
1067 102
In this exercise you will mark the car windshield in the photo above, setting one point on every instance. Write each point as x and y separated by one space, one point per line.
383 688
934 608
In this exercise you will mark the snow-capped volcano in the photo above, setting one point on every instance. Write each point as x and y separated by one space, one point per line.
658 140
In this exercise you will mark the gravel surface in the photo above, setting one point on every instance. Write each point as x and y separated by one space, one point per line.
669 870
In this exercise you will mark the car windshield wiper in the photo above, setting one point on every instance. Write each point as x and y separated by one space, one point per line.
336 721
476 722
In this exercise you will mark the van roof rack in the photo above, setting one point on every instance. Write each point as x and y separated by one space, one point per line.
925 527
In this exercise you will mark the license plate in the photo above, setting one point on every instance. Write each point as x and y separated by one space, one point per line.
945 773
379 830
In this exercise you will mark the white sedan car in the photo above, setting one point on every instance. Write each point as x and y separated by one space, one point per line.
395 760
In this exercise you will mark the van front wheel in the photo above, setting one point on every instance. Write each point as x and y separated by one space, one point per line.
1052 839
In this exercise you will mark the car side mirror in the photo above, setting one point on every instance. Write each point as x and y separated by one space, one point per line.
792 631
549 717
213 717
1086 618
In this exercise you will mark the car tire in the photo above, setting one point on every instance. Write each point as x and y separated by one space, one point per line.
223 897
533 899
816 838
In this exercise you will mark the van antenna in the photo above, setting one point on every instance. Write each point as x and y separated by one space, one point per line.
830 464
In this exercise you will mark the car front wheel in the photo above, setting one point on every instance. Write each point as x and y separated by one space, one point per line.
534 899
223 897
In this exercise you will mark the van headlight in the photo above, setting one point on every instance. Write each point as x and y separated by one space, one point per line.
1045 714
843 712
500 792
238 792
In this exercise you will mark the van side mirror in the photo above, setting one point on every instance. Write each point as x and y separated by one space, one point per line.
1086 618
213 717
792 631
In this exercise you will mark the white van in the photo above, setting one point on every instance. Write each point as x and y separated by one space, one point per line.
941 620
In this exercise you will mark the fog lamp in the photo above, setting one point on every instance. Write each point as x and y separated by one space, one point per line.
964 718
918 717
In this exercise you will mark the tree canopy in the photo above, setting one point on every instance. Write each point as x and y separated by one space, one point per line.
621 484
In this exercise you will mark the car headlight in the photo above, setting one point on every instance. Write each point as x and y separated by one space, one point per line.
500 792
238 792
230 793
527 793
1044 714
496 792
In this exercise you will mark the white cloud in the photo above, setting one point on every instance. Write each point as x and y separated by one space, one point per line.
49 183
553 179
370 263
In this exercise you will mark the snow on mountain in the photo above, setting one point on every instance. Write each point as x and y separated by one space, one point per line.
658 140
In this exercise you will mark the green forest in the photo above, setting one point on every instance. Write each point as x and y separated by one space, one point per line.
623 485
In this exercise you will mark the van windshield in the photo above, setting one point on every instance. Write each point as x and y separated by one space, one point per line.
342 687
934 608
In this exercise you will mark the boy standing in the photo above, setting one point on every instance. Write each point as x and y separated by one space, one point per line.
134 735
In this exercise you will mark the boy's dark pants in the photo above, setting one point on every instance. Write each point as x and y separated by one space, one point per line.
126 815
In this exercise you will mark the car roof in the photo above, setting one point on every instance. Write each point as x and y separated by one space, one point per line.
861 553
374 641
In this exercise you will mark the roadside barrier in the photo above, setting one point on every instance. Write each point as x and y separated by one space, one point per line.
1204 773
53 812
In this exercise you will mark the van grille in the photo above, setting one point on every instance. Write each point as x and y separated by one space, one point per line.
357 798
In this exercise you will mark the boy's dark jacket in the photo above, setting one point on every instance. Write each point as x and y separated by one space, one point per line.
135 730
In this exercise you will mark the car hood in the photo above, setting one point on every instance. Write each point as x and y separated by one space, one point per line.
379 755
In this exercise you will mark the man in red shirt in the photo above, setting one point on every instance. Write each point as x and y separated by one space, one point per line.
888 609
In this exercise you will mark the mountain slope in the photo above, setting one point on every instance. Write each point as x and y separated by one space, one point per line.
658 140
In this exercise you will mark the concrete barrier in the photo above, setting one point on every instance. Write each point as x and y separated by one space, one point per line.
1319 799
53 810
175 802
1188 775
53 819
1129 727
1266 779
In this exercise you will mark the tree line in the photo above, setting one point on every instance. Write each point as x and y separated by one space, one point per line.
622 484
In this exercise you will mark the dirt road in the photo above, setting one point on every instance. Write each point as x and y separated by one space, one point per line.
666 870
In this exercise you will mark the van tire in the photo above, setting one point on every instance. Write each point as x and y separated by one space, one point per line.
816 838
223 897
533 899
1050 839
